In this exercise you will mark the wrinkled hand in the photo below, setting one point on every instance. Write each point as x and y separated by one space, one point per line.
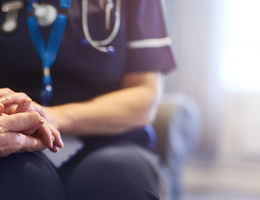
20 102
11 140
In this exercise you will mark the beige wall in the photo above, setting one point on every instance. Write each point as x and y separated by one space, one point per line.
230 121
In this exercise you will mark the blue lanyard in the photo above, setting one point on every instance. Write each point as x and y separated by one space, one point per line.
47 53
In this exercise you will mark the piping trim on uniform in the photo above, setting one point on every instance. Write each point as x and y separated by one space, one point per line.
149 43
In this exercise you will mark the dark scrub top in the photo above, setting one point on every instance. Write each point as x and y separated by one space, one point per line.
81 72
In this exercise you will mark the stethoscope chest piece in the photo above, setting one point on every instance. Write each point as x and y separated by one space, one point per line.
45 14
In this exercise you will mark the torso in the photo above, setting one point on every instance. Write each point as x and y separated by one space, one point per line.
79 73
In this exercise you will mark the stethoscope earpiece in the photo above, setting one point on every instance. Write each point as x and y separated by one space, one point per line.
111 50
106 49
85 42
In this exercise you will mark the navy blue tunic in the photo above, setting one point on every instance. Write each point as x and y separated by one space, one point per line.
81 72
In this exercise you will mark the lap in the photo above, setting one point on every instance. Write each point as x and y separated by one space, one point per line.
120 171
29 176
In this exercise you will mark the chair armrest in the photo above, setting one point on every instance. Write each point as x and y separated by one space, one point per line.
176 125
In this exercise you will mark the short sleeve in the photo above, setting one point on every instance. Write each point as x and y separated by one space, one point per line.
148 45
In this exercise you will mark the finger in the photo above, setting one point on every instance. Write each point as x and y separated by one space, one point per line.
19 122
46 135
23 106
37 108
57 136
21 99
12 142
5 91
31 143
9 143
55 149
32 130
9 110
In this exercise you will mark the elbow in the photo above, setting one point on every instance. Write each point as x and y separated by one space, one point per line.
149 112
150 116
152 106
136 122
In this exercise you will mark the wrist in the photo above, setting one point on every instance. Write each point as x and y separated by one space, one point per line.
53 117
59 117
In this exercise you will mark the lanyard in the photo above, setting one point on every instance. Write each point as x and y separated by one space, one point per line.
47 53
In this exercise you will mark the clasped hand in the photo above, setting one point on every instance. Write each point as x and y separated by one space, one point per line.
23 125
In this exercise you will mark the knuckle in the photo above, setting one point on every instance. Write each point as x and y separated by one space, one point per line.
3 127
17 142
35 116
8 90
23 95
31 117
38 107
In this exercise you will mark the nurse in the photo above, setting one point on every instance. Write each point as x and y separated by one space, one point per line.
106 101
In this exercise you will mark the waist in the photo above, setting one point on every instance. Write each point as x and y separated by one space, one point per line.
144 136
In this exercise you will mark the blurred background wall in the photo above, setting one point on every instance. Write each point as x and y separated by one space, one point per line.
192 26
216 44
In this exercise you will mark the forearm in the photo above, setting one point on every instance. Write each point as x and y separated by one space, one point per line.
112 113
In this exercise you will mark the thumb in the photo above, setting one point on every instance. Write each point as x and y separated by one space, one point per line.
19 122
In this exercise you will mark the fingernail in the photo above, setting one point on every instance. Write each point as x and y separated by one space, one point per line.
51 144
27 102
61 142
41 120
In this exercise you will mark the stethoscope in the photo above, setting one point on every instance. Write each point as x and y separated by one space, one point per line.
47 13
42 15
107 5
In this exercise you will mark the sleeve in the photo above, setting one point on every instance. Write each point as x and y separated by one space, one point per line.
148 46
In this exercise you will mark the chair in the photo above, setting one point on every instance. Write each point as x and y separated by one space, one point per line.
176 125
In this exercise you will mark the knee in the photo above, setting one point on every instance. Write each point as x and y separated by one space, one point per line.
17 166
28 176
25 165
119 172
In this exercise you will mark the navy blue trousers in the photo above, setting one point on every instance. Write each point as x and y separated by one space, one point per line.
104 170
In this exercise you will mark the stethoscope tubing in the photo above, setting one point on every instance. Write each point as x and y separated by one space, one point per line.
101 45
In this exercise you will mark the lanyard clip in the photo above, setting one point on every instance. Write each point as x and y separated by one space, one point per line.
11 10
